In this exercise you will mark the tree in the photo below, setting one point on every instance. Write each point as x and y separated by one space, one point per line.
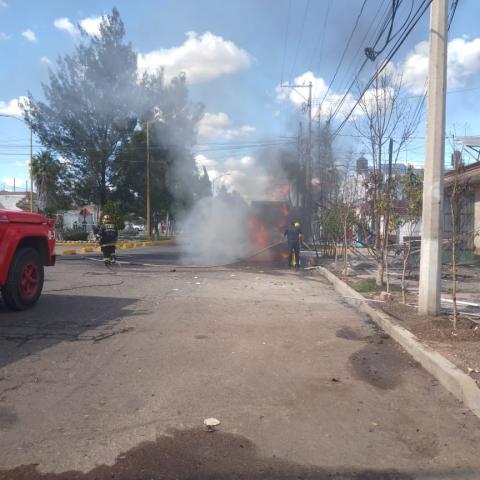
172 123
383 113
456 187
52 181
412 189
90 106
115 211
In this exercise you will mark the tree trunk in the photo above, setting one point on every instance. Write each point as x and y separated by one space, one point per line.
380 271
386 270
453 212
345 258
405 263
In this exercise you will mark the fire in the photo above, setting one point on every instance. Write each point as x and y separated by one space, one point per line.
266 225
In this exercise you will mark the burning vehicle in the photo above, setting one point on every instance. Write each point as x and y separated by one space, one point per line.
266 223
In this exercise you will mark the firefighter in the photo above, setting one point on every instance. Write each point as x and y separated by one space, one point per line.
107 235
293 234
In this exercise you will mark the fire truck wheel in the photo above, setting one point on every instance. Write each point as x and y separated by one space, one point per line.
25 280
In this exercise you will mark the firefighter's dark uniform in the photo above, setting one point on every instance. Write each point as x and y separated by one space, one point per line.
293 241
108 235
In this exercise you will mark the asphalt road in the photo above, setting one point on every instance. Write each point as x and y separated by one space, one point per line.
114 371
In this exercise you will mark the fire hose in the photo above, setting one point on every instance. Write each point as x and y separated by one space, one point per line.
175 266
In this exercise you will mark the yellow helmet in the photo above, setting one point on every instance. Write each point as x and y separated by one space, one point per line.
297 225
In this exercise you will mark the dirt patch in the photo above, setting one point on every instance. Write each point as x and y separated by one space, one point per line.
195 454
380 363
8 417
460 346
426 328
349 333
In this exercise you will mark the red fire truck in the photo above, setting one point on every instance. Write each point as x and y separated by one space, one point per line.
27 245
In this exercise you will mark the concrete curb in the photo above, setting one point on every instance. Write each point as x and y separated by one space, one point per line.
450 376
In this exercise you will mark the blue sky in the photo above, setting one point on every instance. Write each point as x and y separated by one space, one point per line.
235 53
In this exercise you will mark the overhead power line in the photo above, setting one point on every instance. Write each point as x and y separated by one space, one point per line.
420 12
379 34
300 39
343 54
286 40
322 40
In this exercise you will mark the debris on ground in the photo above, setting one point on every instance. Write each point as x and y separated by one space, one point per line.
386 297
211 423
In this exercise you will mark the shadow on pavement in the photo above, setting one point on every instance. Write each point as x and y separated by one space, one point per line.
196 454
60 318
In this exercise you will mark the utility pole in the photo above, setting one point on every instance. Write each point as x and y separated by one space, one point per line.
300 192
307 199
432 213
149 222
31 166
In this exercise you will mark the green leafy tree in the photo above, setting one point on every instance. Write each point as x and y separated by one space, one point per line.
52 181
114 209
89 108
172 123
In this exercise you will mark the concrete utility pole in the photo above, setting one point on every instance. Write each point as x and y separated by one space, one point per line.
307 201
432 213
149 216
31 166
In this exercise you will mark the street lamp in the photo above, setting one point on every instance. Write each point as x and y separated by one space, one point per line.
31 152
216 178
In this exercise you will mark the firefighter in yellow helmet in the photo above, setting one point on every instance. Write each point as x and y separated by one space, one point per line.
107 236
293 234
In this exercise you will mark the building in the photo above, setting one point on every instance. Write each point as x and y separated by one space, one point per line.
467 179
83 218
14 200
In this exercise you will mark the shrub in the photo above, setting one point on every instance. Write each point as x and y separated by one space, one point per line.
73 234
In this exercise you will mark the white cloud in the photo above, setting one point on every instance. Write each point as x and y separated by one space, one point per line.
217 126
10 182
66 25
203 161
242 163
201 57
253 185
463 62
298 96
13 106
91 25
45 60
3 4
4 36
22 163
30 36
213 167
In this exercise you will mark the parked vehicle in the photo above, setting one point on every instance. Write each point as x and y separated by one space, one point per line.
27 245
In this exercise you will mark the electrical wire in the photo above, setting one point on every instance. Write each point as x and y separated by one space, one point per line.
286 41
357 20
421 11
322 41
300 39
379 35
356 66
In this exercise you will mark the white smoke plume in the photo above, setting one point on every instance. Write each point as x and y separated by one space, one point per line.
215 232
